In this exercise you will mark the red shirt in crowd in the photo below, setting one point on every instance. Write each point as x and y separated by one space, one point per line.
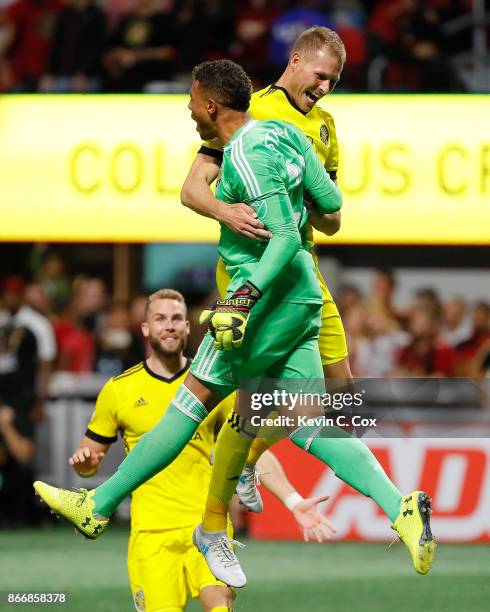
34 22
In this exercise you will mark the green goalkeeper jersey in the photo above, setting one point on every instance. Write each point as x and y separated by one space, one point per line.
267 165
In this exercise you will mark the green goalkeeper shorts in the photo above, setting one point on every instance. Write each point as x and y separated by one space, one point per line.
281 341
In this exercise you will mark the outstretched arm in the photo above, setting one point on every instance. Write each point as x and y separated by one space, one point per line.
315 526
86 460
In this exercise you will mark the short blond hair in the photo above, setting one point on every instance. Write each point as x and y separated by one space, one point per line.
165 294
317 38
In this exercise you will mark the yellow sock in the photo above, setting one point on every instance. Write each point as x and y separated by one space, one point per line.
221 609
215 517
259 446
230 454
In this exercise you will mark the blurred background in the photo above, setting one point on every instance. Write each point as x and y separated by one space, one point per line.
91 222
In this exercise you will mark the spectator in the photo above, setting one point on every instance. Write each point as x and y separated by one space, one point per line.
77 327
428 298
117 347
252 30
24 315
143 47
36 298
137 315
354 319
198 23
27 38
348 296
76 345
89 302
455 327
54 280
74 62
424 43
425 354
349 18
376 352
468 349
18 362
289 25
382 294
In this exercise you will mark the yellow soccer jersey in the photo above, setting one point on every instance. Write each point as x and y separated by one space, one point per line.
318 125
132 404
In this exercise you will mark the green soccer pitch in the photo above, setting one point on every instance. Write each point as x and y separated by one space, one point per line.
283 576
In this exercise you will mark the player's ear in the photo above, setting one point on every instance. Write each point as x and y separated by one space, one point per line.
145 329
212 107
295 59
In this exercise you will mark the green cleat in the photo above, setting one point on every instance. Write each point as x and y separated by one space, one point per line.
76 507
413 528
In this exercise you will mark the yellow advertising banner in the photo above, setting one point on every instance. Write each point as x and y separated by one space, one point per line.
413 169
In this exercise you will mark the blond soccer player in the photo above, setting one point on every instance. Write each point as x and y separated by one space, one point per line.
165 569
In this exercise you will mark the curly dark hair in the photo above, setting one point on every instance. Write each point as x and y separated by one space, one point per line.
227 81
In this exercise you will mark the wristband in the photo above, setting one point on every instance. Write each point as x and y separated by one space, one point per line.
292 500
89 473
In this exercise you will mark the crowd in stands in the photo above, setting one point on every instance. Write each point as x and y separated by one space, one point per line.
427 338
78 328
152 45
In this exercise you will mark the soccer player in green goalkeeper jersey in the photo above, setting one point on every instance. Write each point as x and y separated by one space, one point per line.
266 327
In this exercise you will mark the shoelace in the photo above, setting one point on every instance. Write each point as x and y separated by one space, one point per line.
395 541
83 496
82 492
224 551
253 477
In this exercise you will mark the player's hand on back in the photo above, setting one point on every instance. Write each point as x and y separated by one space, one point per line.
86 461
242 220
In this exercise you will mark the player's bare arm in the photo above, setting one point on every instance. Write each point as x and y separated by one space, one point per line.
86 460
326 223
196 194
20 447
315 526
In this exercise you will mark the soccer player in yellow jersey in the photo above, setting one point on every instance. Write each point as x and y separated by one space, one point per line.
293 99
164 567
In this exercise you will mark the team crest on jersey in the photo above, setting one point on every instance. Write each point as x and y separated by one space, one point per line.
139 601
324 134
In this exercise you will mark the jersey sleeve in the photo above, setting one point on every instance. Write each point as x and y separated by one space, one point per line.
317 182
213 149
268 196
332 161
103 423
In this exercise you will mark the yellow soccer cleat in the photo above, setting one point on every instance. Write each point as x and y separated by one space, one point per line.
76 507
413 528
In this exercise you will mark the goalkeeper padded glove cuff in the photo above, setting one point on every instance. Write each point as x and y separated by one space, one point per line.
227 319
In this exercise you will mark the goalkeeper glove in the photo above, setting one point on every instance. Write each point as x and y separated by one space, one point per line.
227 319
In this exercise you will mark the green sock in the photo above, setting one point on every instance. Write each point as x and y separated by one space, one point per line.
354 463
154 451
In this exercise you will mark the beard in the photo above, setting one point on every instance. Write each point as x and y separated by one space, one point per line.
156 345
